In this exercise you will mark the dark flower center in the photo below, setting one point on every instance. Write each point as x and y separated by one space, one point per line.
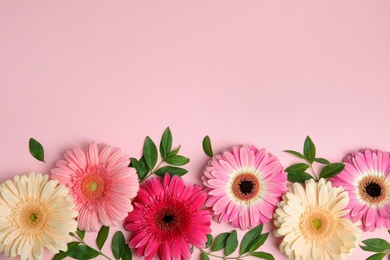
168 219
373 189
246 186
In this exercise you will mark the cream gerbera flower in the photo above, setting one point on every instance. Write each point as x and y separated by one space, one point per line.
311 219
35 213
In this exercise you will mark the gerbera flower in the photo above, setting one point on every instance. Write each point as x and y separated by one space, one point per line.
35 213
366 178
101 183
244 185
311 219
167 218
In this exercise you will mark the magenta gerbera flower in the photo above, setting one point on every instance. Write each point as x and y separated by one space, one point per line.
101 183
244 186
366 178
167 219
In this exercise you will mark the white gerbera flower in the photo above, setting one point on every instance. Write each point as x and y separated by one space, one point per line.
35 213
311 220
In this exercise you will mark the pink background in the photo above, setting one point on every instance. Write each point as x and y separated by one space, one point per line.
266 73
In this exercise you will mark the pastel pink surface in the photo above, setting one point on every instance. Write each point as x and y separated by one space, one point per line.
266 73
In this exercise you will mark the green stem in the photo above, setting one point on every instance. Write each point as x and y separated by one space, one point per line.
223 257
99 251
153 170
317 178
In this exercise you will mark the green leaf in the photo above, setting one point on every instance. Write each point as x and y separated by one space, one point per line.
204 256
83 252
80 233
299 177
379 256
375 245
36 150
309 150
331 170
177 160
174 152
220 242
209 240
150 153
61 255
118 245
171 170
258 242
102 236
297 168
295 153
128 255
140 167
207 146
231 243
191 249
321 160
166 143
249 237
263 255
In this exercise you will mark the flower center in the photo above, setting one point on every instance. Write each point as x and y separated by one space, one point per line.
167 219
93 186
246 186
373 189
317 223
33 217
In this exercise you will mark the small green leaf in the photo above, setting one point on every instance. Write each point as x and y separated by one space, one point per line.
166 143
174 152
231 243
36 150
249 237
209 240
331 170
171 170
297 168
80 233
299 177
83 252
102 236
309 150
128 255
207 146
150 153
191 249
204 256
379 256
321 160
258 242
118 245
177 160
220 242
263 255
140 167
61 255
295 153
375 245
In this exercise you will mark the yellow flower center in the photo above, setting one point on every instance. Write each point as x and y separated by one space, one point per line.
373 190
33 217
93 186
317 223
246 187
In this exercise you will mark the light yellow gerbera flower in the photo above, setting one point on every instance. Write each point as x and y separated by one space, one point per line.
35 213
311 220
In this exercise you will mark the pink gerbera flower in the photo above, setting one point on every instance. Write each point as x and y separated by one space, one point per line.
101 183
244 186
167 218
366 178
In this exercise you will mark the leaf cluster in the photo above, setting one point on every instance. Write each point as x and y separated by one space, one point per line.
298 172
147 164
380 246
252 241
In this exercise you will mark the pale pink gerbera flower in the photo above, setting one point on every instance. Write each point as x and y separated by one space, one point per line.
167 219
244 185
366 178
101 183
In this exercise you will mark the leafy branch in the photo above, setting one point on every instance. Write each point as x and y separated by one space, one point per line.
252 240
380 246
298 172
147 164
